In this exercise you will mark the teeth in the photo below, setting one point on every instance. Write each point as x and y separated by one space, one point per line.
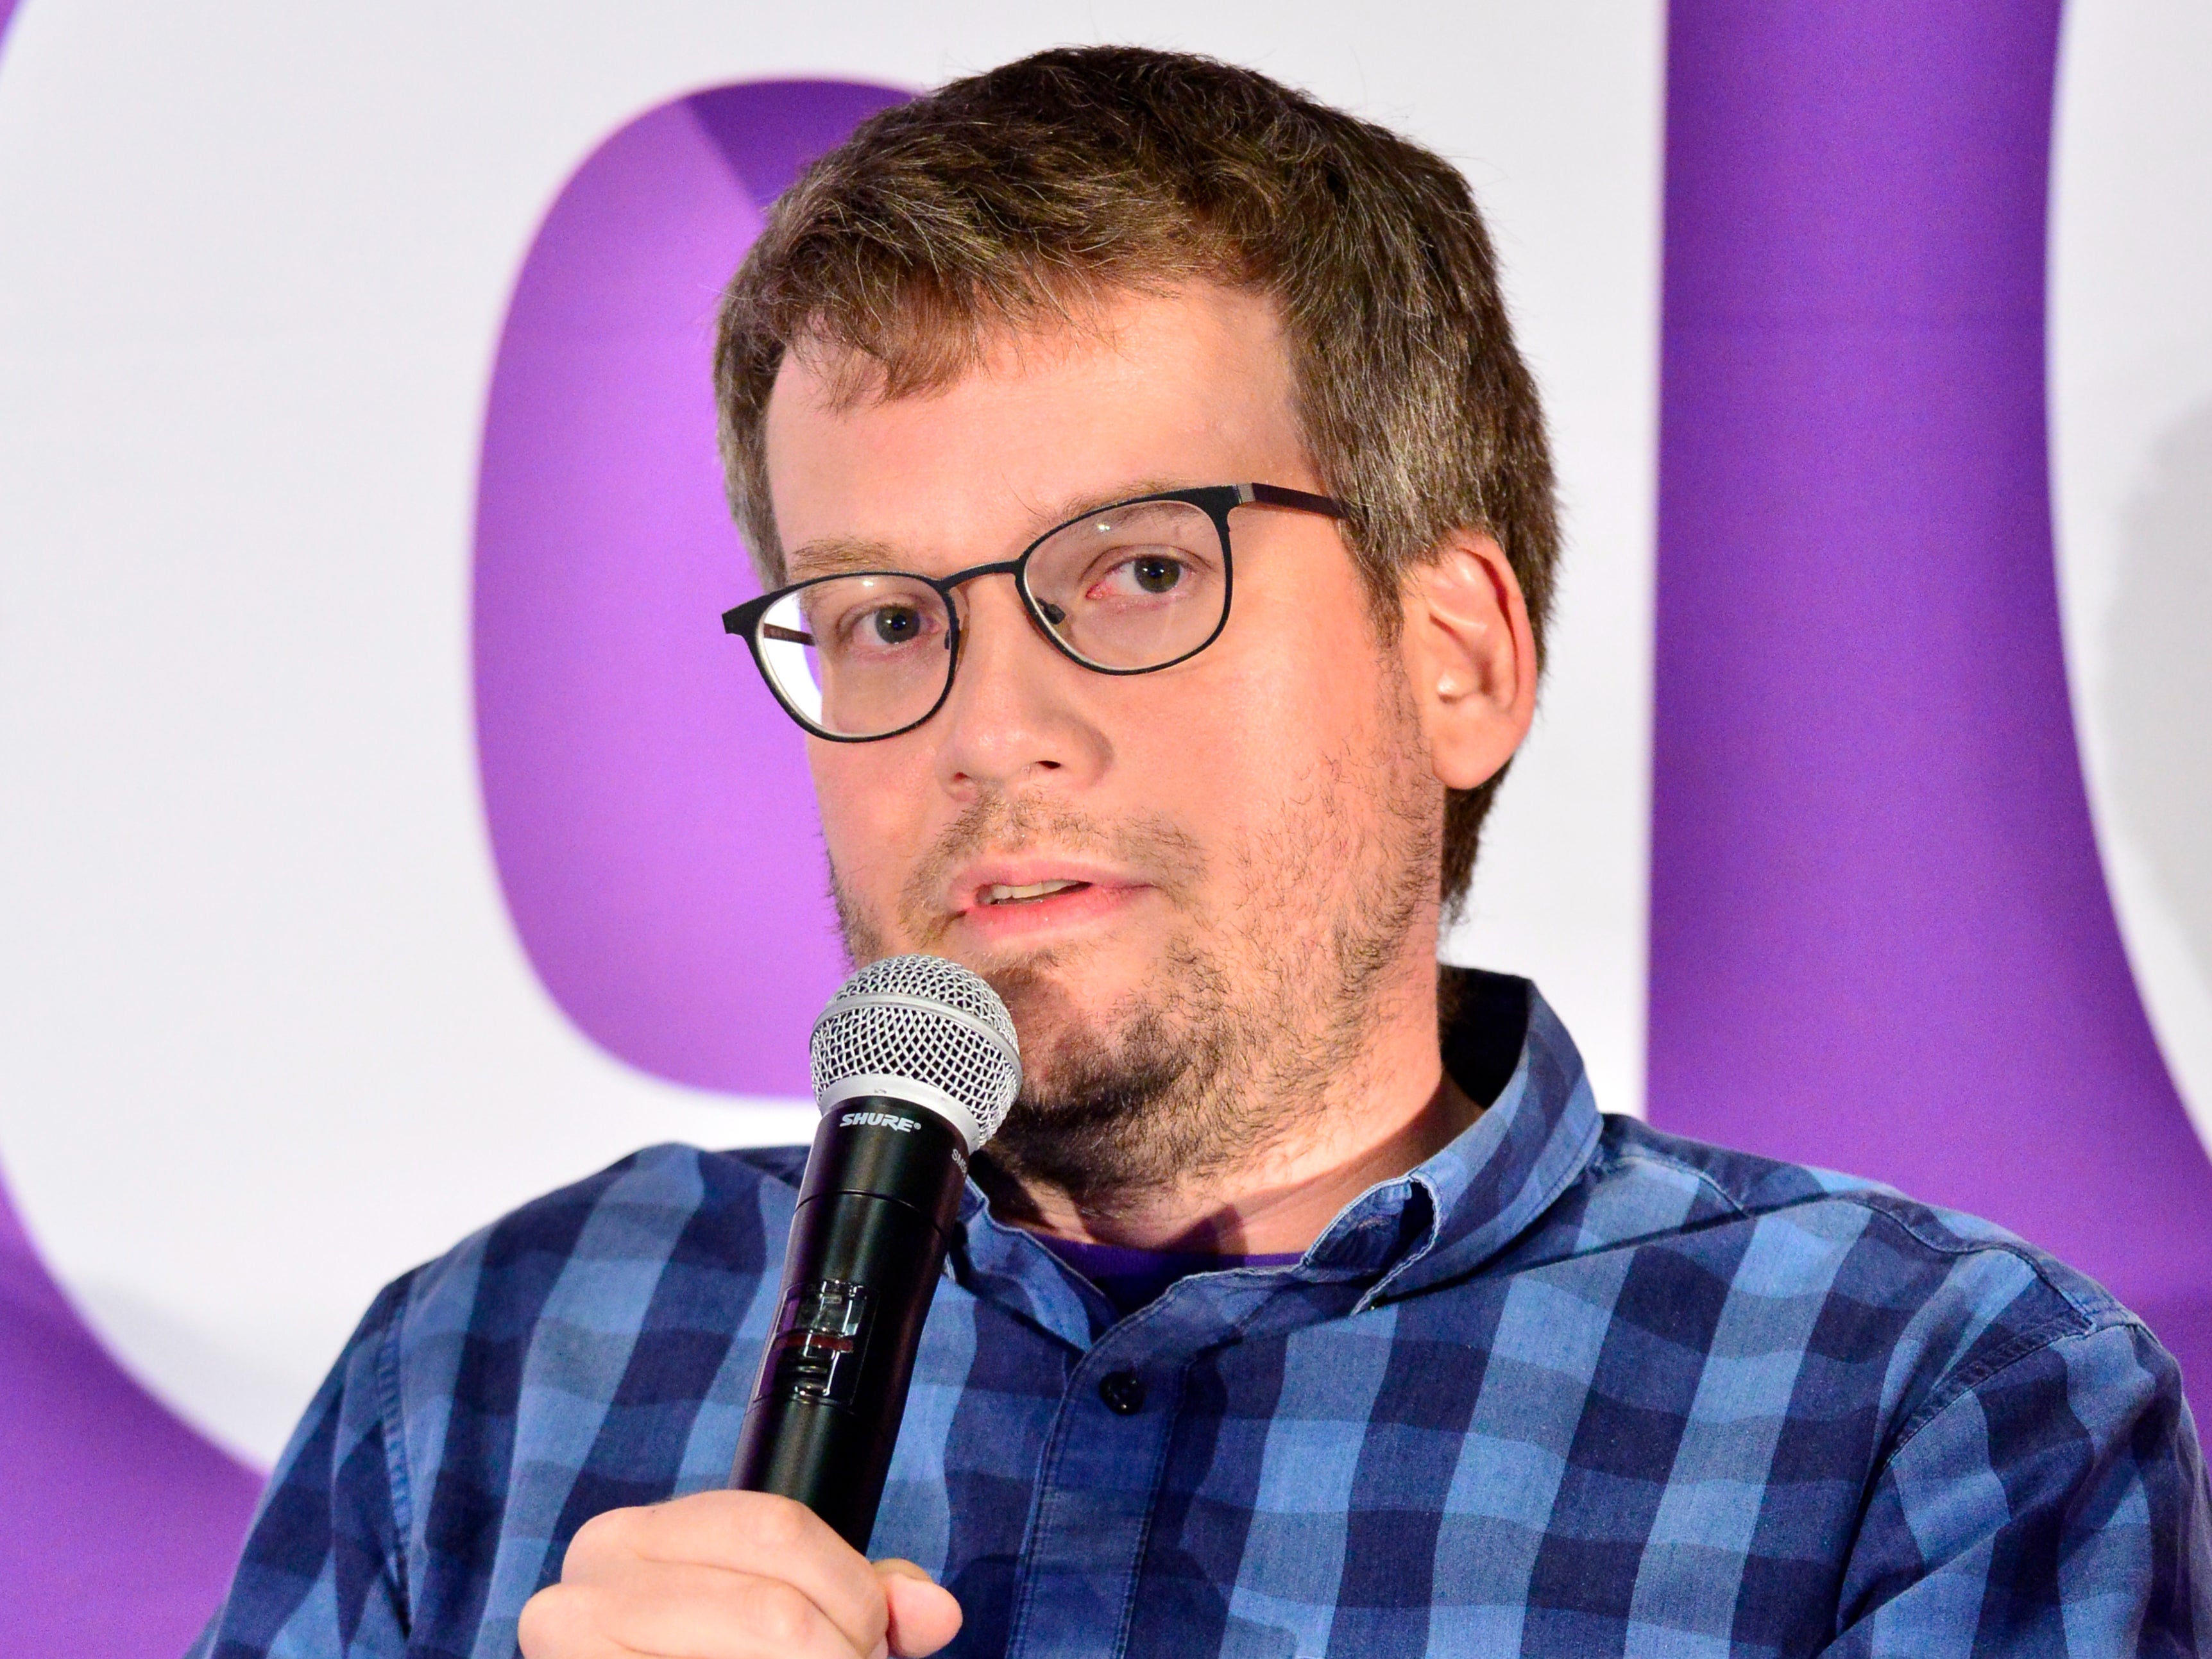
999 893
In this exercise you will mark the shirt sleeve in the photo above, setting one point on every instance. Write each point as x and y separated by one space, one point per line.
323 1571
2054 1505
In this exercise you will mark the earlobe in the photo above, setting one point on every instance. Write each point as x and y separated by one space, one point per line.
1470 659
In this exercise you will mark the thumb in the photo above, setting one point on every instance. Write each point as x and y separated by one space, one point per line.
924 1615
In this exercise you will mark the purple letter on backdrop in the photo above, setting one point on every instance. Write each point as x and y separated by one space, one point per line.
120 1525
1879 934
648 803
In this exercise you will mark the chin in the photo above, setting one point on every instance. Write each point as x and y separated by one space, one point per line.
1057 993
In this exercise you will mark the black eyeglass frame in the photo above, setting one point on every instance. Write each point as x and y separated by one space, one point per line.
1217 501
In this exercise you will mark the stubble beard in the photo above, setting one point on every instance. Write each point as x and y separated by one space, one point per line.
1253 1019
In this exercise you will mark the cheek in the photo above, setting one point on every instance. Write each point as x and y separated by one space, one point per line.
1236 751
1310 688
870 812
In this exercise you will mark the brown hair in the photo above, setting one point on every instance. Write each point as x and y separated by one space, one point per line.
1006 199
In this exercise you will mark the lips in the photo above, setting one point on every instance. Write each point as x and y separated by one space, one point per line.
1035 894
1001 892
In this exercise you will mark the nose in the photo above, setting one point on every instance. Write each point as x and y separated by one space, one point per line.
1018 713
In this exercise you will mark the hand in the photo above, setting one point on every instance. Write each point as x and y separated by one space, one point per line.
731 1575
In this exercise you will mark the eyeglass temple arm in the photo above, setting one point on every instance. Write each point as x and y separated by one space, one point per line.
1266 494
739 618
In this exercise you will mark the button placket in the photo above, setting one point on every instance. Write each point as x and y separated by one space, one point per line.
1098 1483
1099 1479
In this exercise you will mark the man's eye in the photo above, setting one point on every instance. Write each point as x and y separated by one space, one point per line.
896 625
876 626
1155 574
1141 576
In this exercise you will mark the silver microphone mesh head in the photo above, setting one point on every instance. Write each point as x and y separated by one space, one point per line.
922 1029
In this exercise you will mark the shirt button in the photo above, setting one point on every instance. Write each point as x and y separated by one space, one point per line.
1123 1393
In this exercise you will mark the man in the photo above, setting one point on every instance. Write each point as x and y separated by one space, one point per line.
1158 526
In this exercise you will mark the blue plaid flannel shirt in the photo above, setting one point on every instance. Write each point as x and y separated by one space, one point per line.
1571 1387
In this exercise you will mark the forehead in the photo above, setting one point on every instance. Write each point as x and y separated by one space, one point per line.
1189 387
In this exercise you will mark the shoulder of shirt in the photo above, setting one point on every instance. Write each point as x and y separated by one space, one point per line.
730 1207
1946 1304
1903 1252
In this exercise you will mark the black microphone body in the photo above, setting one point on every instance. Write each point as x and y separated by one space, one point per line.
877 1209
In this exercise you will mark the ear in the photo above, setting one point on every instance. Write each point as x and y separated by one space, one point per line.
1470 659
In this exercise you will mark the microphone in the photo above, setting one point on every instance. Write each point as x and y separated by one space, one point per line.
915 1064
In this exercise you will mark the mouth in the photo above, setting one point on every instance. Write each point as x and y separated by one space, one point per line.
999 893
1032 898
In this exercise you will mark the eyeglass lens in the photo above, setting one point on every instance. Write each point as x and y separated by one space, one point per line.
1139 587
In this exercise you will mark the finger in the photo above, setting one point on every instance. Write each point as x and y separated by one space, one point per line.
680 1610
757 1532
924 1615
545 1631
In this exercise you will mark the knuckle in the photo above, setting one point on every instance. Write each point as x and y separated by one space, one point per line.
548 1619
780 1617
606 1535
781 1526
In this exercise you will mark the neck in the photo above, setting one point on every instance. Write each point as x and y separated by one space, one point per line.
1378 1119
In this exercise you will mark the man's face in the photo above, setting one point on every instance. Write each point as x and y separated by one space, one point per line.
1187 884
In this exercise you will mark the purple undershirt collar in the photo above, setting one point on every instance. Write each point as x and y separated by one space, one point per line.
1131 1278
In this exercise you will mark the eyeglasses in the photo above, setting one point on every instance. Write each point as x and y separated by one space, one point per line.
1130 588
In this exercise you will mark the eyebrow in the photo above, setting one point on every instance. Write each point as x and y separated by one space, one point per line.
838 555
835 556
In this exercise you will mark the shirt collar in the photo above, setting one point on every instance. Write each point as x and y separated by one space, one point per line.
1489 1183
1440 1220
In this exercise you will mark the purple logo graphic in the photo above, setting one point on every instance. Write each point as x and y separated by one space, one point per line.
1879 934
649 807
121 1524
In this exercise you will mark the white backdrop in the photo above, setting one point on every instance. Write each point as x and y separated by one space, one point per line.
2132 452
268 1037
